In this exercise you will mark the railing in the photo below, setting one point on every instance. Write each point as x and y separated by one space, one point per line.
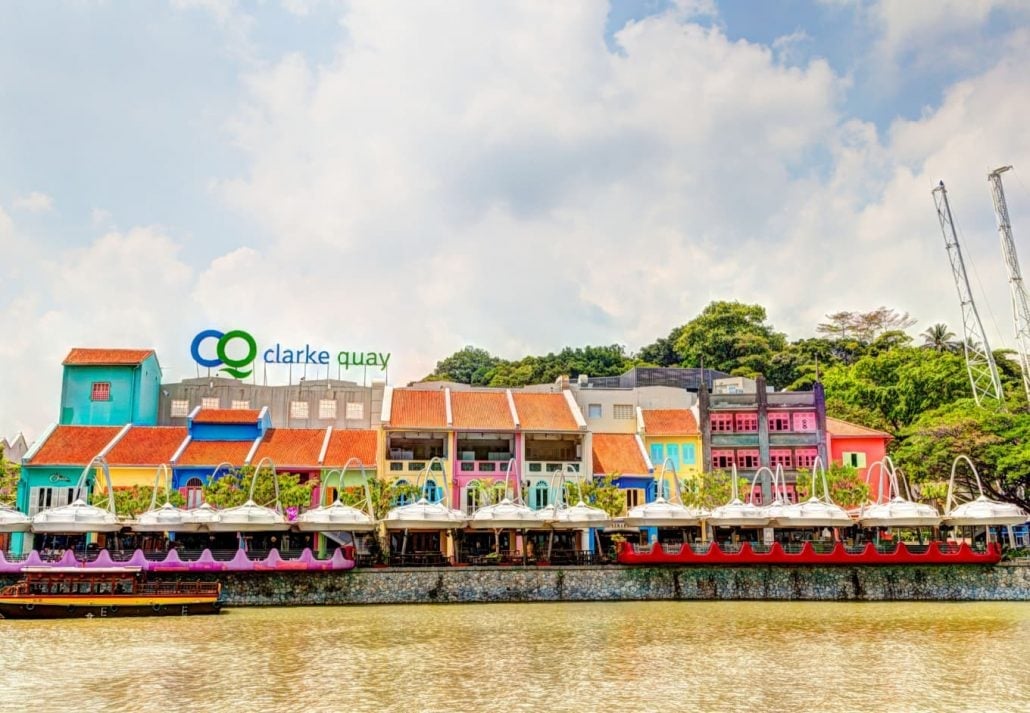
412 467
481 467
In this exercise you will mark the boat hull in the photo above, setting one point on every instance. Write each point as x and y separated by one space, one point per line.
13 609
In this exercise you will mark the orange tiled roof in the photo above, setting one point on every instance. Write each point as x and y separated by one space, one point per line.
618 453
418 409
544 412
226 415
74 445
292 446
147 445
106 357
214 452
481 410
837 427
346 443
669 422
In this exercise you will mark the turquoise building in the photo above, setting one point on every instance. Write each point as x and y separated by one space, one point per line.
110 387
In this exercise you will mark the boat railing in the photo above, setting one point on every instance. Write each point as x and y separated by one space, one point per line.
158 588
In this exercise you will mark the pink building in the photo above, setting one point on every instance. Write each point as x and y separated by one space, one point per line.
858 446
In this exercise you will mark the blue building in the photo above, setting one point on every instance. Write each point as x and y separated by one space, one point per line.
110 387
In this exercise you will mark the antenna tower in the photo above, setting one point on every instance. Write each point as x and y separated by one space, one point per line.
983 374
1020 301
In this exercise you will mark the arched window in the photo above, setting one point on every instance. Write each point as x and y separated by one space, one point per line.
401 498
652 490
194 493
540 497
433 492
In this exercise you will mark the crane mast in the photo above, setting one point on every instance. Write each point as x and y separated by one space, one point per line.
1020 301
983 373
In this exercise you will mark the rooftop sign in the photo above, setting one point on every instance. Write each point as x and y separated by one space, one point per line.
236 351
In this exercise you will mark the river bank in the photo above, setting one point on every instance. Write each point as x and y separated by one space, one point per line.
1005 582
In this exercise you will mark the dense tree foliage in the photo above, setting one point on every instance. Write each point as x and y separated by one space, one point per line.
233 489
9 474
846 488
472 365
732 337
135 500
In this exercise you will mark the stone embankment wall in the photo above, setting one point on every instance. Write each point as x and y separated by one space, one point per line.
548 584
551 584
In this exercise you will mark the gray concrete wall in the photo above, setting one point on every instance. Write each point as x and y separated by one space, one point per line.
517 584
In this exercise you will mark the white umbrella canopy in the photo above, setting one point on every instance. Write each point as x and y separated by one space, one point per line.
814 512
895 510
203 515
425 515
79 517
737 513
337 516
251 517
981 511
508 513
166 518
665 513
12 520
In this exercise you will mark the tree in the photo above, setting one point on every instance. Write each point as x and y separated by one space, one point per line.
663 351
846 488
233 489
135 500
939 338
731 337
605 494
469 365
10 473
711 489
841 324
385 494
998 443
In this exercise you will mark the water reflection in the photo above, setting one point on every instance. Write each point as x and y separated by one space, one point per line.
657 656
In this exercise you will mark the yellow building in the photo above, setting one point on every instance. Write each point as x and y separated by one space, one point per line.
672 434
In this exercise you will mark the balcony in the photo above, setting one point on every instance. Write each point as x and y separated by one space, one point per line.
475 468
409 468
547 468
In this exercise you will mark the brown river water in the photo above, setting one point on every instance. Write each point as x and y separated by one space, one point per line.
627 656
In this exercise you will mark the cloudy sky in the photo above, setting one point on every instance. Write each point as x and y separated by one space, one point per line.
413 177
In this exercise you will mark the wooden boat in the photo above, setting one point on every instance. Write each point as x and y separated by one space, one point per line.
66 592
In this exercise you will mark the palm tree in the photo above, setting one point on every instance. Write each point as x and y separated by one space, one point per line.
939 338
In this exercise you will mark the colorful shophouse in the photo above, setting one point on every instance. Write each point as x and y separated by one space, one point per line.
672 434
857 446
110 387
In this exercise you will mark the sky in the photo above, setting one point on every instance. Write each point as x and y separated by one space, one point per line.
412 178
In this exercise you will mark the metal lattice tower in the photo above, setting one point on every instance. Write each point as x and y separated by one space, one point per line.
1020 301
983 373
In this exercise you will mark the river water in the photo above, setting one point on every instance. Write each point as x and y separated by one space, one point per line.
627 656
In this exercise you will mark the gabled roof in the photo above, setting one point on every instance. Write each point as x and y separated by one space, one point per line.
839 428
412 408
544 412
106 357
669 422
215 452
227 415
481 410
618 453
292 446
74 445
147 445
347 443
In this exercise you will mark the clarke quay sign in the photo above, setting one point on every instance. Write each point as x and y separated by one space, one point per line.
236 351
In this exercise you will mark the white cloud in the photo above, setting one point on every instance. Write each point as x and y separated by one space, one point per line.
34 202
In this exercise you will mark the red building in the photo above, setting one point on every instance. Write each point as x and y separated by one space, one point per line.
858 446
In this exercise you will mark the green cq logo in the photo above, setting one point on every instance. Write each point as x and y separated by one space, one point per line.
234 366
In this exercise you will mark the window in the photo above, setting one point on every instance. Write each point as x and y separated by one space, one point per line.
804 421
634 497
298 409
210 402
722 459
194 493
746 422
593 410
722 422
781 457
657 454
672 452
433 492
180 408
756 496
401 497
540 498
779 422
43 498
101 391
747 459
689 454
355 410
652 490
623 411
855 460
805 457
326 408
240 405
